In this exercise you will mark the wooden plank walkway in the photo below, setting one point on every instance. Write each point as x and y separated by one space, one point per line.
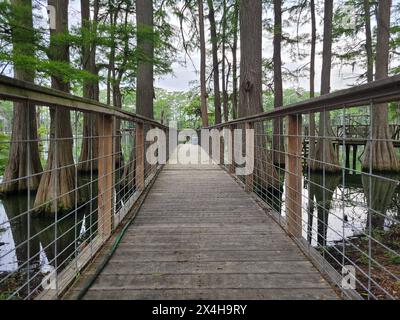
199 235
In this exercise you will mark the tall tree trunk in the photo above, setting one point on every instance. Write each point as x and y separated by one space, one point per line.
58 180
223 76
24 159
312 78
111 60
250 93
380 154
112 94
325 155
234 60
145 86
368 41
278 143
203 90
214 44
89 149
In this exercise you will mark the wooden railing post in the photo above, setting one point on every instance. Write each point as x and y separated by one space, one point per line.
249 157
166 130
294 176
139 172
232 150
221 147
106 175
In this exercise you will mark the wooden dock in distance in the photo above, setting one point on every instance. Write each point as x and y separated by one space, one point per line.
199 235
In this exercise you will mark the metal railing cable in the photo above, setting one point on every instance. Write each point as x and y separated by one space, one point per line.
338 204
93 171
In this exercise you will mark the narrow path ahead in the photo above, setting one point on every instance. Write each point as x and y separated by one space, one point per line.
199 235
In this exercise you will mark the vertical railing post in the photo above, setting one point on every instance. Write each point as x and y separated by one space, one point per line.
221 147
293 175
232 150
249 156
106 175
166 130
139 178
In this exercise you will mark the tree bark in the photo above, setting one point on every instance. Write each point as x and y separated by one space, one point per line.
214 44
278 154
89 148
145 86
203 91
234 60
368 41
223 75
325 155
312 78
380 154
250 92
24 159
58 181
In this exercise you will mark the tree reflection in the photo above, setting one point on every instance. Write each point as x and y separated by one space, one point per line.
320 194
379 191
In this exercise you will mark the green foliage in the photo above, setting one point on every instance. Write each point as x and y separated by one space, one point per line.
4 151
393 258
290 96
182 107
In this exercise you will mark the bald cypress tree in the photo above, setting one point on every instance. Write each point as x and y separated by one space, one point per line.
214 45
325 155
24 159
250 92
380 152
203 92
145 75
58 180
89 149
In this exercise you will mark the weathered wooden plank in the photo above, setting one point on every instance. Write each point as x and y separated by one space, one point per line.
210 281
214 294
223 267
205 238
125 253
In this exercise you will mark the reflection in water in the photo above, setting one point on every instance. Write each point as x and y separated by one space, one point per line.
8 256
32 244
379 192
321 190
44 264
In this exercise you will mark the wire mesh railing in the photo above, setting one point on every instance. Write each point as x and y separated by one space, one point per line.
337 196
73 170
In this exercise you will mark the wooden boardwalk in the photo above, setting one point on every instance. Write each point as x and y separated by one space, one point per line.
199 235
